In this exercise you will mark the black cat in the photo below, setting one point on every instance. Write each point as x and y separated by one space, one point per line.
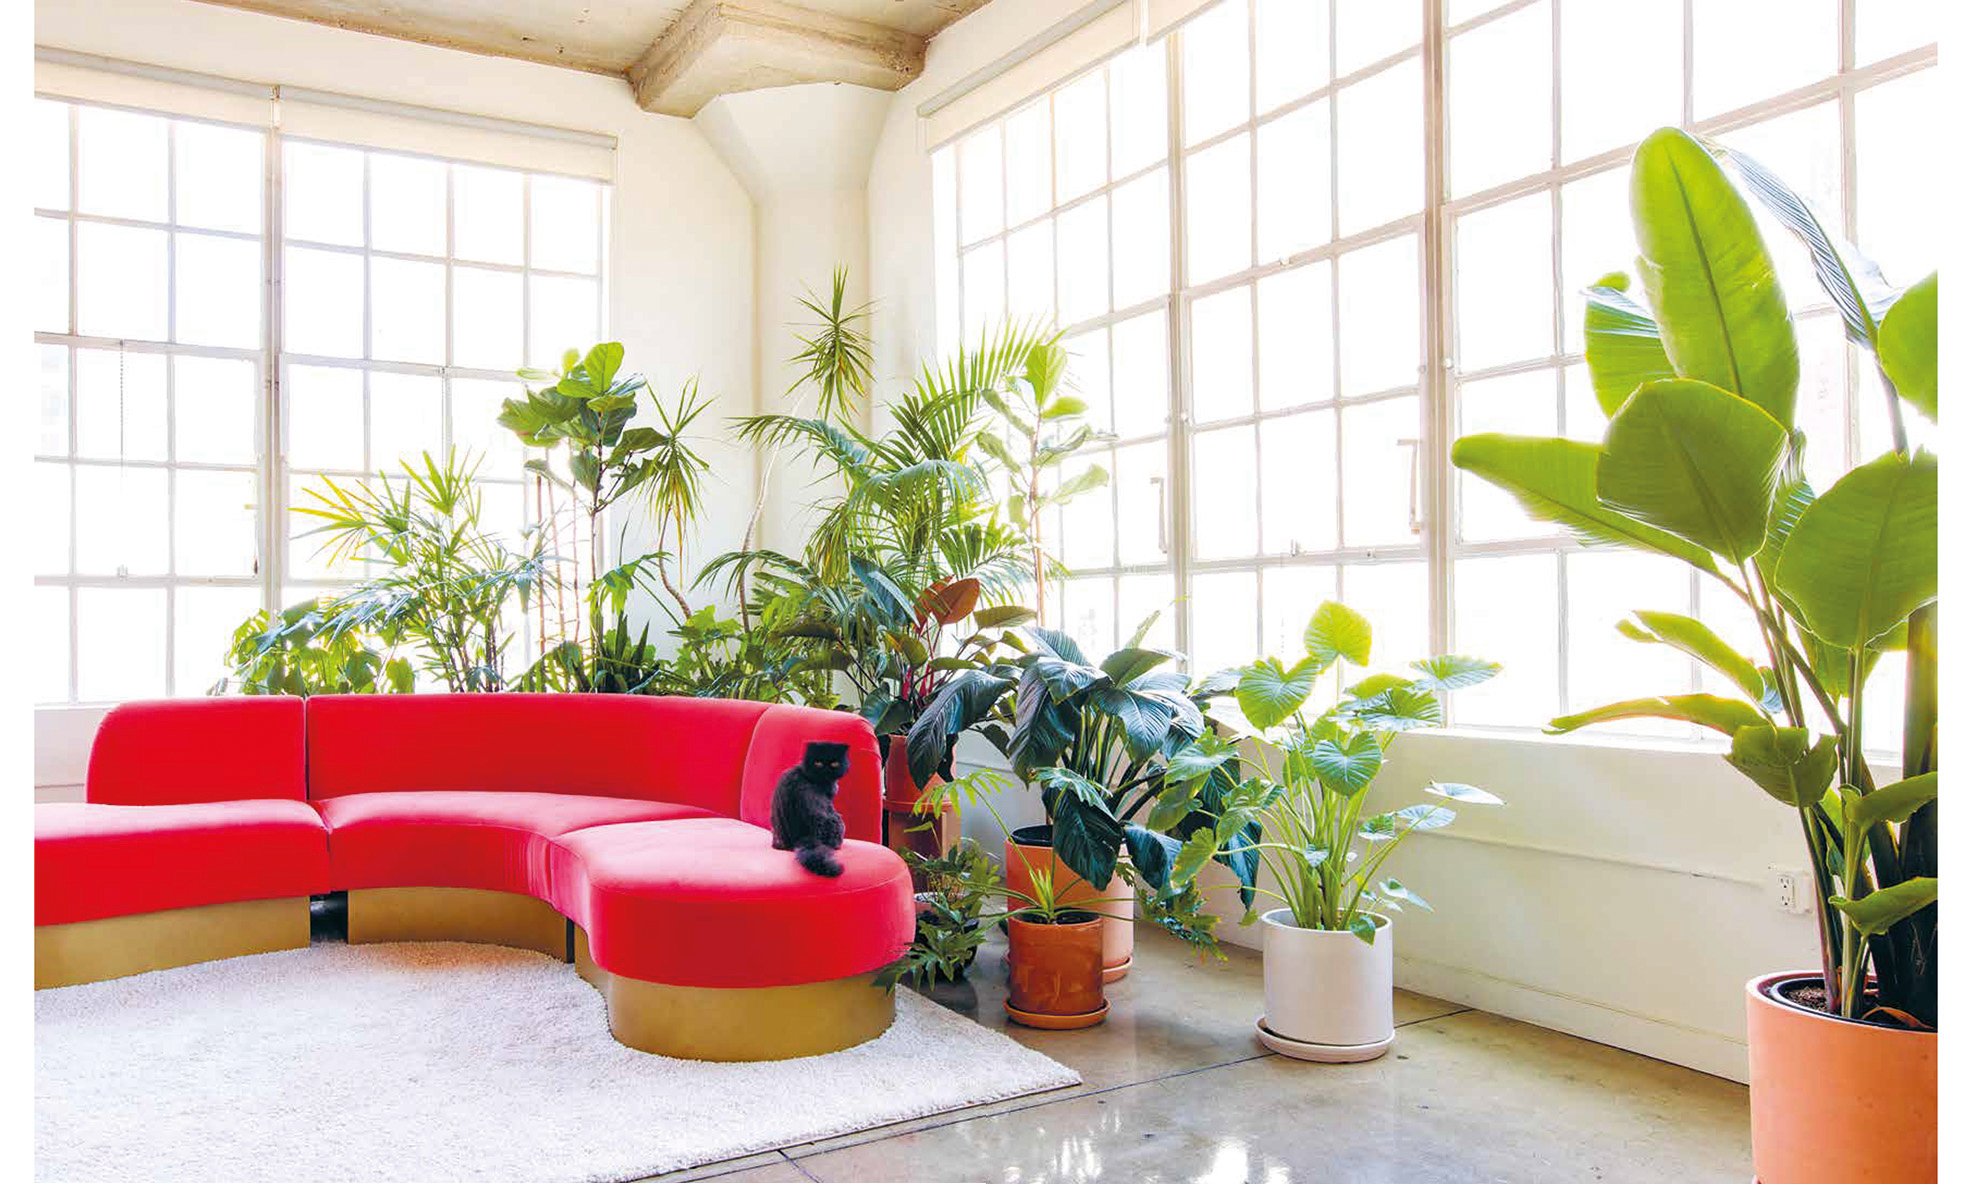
804 816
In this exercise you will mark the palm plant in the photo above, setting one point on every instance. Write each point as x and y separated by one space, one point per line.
1701 462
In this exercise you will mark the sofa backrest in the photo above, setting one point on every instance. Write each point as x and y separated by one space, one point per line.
199 749
782 733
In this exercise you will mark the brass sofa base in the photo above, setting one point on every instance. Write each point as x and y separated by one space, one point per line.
110 948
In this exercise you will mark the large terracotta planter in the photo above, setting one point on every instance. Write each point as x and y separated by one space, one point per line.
1054 972
1328 992
1838 1101
1028 853
901 825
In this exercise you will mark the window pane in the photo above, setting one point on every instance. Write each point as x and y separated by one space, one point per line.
1222 355
1519 404
1596 239
1297 483
50 154
1505 283
1088 375
1380 290
1082 258
1805 149
1797 45
1297 337
213 405
203 620
1294 184
1396 599
1081 138
219 176
1141 503
486 318
1030 163
1088 522
407 204
1141 213
323 303
1887 27
325 418
1379 465
119 405
121 651
1883 704
563 223
121 516
51 524
1897 175
981 204
1596 116
1603 665
405 420
1225 491
323 190
1088 613
1289 597
1215 71
1504 609
218 280
984 280
122 164
1141 387
53 437
1368 31
1290 49
1141 597
1219 210
51 274
562 315
120 282
1138 110
476 428
50 650
213 518
1820 407
308 549
1380 148
407 310
1030 271
1225 608
1501 100
486 208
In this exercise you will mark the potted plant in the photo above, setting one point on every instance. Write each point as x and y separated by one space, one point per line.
1327 950
957 885
1702 462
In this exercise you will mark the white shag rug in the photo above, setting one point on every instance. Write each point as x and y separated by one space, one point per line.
445 1061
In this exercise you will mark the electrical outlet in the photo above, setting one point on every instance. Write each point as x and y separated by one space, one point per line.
1791 889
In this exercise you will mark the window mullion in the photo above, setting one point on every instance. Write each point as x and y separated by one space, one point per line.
1438 424
1177 497
273 474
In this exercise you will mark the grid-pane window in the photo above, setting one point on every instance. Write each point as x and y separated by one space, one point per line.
1332 324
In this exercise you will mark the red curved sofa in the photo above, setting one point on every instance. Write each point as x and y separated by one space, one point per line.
627 835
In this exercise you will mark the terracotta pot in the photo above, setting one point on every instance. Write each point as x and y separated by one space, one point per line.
900 823
1028 852
1838 1101
1054 972
1328 989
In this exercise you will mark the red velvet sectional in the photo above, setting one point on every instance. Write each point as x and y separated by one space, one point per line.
627 834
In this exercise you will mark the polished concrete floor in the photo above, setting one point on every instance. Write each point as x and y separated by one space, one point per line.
1175 1089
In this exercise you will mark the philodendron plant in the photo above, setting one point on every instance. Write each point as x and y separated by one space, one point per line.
1702 463
1304 776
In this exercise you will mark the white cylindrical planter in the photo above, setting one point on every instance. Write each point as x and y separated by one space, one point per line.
1329 993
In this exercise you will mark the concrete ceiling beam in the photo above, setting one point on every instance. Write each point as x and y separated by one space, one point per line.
718 47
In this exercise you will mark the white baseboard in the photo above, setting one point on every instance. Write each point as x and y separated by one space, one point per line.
1700 1049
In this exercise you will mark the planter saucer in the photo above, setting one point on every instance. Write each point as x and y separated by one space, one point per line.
1319 1051
1057 1020
1112 974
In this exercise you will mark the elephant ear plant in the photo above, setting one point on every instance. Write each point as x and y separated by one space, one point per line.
1303 778
1702 462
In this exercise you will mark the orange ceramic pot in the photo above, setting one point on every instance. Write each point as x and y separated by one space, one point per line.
1054 972
1024 858
904 829
1838 1101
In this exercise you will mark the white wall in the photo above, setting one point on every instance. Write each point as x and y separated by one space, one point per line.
680 268
1620 895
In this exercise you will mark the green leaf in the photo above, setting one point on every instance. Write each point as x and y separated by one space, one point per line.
1708 277
1625 350
1876 912
1726 715
1465 793
1192 857
1447 672
601 364
1269 693
1363 927
1866 554
1554 480
1696 639
1089 480
1337 631
1001 615
1347 767
1425 816
1693 460
1893 801
1087 836
1375 685
1784 763
1397 891
1398 708
1908 345
1130 662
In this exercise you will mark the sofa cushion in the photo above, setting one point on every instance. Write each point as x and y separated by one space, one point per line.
711 903
99 860
491 839
194 750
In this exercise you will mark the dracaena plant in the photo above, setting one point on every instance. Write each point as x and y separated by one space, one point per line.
1701 462
1303 777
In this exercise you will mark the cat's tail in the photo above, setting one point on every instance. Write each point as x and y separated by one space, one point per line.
818 858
